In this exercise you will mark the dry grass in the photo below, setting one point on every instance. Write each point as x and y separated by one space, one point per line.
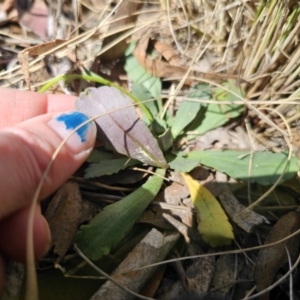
255 41
258 42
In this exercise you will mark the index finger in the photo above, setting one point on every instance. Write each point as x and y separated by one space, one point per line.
17 106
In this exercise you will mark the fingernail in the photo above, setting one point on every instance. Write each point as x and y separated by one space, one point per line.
83 138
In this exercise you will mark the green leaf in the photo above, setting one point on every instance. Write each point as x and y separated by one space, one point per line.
169 119
141 93
97 156
181 164
108 167
265 167
232 93
138 74
165 140
217 115
130 49
110 226
188 110
162 133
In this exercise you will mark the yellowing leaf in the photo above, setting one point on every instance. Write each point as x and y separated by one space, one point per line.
213 223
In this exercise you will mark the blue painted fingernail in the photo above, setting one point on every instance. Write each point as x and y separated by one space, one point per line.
73 120
65 123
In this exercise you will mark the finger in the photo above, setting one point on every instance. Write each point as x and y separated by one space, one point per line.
27 148
18 106
14 232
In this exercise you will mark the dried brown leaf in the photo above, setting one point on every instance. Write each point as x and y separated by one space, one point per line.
151 287
246 219
199 275
177 191
24 56
271 259
155 67
162 69
170 54
63 215
224 274
196 282
125 15
153 248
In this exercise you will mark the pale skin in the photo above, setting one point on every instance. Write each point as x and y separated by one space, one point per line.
26 146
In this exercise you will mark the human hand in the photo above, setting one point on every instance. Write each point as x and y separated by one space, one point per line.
31 128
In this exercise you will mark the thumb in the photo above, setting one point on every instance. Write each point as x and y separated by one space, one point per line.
26 150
